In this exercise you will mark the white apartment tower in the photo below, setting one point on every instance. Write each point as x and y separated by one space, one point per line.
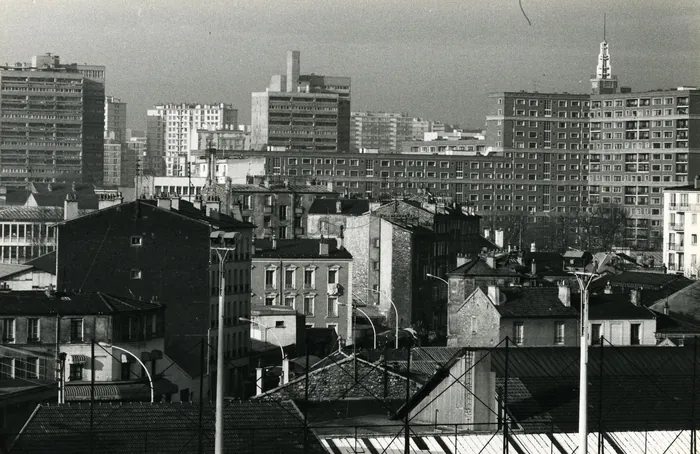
681 229
170 126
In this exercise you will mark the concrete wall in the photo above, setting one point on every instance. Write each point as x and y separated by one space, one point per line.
473 321
539 332
259 132
618 332
30 280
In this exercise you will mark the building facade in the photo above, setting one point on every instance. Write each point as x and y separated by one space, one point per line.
51 122
171 128
302 112
115 120
312 276
161 249
382 131
681 229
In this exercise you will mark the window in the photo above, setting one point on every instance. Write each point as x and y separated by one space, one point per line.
309 305
32 330
518 332
635 333
32 367
270 300
7 370
135 274
76 330
559 333
8 330
268 200
288 278
270 278
309 278
136 240
332 306
289 300
76 372
332 276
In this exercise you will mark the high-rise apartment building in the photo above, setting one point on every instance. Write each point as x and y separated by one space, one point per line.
383 131
302 112
169 127
51 122
115 119
681 206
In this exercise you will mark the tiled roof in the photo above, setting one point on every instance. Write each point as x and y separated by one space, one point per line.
43 214
614 307
46 262
249 427
685 301
637 278
41 303
119 391
653 286
300 248
533 302
348 207
675 323
642 387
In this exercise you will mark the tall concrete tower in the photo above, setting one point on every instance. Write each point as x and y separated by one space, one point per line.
604 82
292 70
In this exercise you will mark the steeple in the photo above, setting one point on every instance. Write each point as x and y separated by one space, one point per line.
604 82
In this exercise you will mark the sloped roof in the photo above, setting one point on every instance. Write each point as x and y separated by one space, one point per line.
479 267
35 214
300 248
614 307
685 301
249 427
57 199
533 302
41 303
574 254
675 323
348 207
46 262
7 270
653 286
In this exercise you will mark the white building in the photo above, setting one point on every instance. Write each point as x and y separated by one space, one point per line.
681 229
178 122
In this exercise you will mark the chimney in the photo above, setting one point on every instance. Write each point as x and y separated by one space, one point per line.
608 289
491 261
213 204
341 238
499 238
258 379
70 207
666 308
266 182
533 267
175 202
197 202
164 202
338 206
108 200
323 249
565 293
636 296
533 247
494 294
329 185
274 242
697 182
487 233
462 259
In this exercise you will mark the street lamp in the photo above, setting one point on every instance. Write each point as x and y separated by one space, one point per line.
584 279
374 330
396 313
438 278
222 243
448 286
105 346
243 319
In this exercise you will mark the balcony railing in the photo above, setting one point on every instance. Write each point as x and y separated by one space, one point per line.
679 206
676 226
675 246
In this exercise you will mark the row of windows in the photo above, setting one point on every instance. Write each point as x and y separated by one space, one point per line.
290 275
9 330
307 303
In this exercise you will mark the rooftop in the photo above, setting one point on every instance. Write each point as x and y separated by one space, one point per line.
300 248
479 267
35 214
533 302
348 207
46 262
249 427
45 303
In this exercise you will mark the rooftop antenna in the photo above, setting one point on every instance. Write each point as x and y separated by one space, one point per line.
604 28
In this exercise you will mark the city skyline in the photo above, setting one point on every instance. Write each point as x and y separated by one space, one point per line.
424 59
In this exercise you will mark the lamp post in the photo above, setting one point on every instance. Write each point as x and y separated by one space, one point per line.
438 278
371 323
253 322
396 313
222 243
447 318
105 346
584 279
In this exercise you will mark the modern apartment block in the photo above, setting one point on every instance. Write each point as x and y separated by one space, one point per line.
302 112
115 119
681 229
169 128
119 164
382 131
51 122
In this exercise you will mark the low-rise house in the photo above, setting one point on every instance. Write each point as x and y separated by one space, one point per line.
36 274
312 276
523 316
75 337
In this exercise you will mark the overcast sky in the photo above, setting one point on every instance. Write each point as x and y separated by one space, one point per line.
433 59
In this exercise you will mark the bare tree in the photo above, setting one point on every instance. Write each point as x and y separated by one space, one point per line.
603 227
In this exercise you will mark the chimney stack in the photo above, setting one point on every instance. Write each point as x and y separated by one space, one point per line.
533 247
533 267
494 294
697 182
258 379
338 206
462 259
164 202
213 203
285 371
565 293
487 234
323 248
341 238
499 240
70 207
666 308
274 242
329 185
636 296
608 289
491 261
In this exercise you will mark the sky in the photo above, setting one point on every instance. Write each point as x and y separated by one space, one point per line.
431 59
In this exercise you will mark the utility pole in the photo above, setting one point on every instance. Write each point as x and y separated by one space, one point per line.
92 395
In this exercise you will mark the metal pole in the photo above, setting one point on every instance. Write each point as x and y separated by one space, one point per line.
583 378
693 441
219 436
306 389
407 438
601 443
148 374
92 394
505 402
374 330
202 365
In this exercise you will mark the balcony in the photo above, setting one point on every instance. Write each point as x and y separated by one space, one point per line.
675 246
679 206
676 226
